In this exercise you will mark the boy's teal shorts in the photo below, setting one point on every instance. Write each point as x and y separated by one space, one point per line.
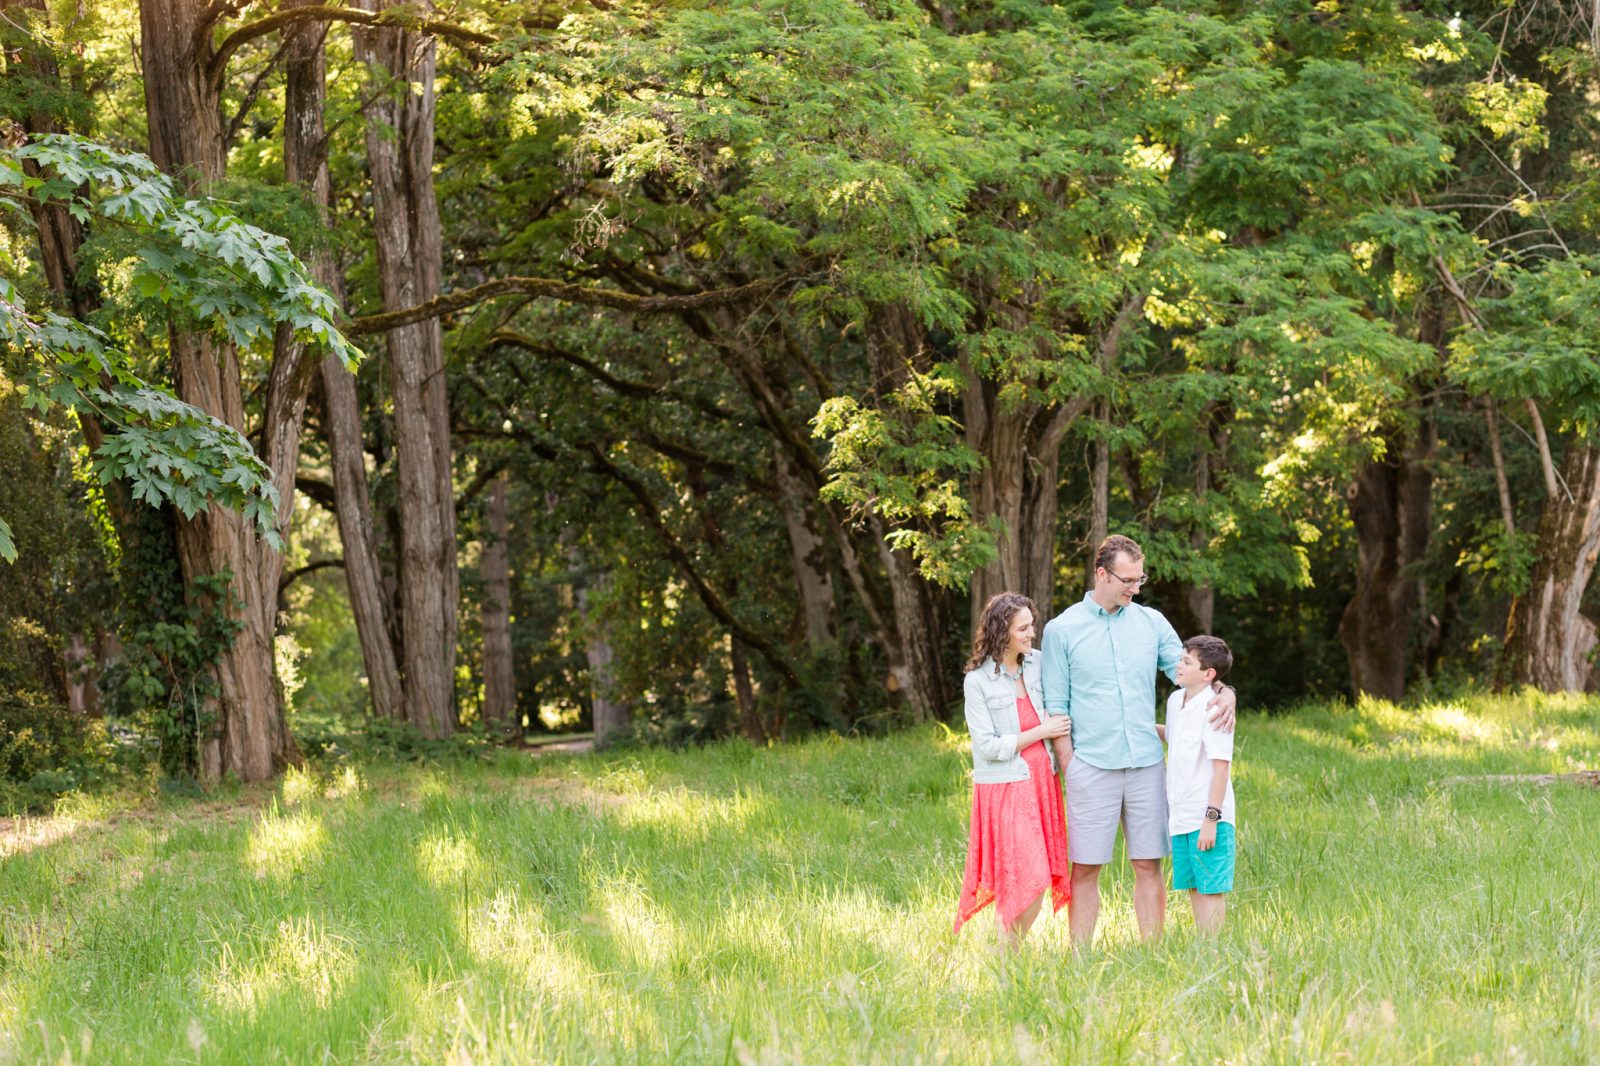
1207 872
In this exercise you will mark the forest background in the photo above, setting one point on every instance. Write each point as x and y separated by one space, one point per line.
683 370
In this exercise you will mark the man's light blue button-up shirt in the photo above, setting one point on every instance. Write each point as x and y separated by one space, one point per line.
1100 669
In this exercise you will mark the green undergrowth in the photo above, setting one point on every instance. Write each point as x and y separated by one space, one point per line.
794 905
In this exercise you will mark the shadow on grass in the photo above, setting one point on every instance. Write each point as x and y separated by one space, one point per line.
451 910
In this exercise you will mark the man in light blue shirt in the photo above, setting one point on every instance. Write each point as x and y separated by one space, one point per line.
1100 658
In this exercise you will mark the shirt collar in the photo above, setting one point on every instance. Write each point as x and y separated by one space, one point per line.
1094 605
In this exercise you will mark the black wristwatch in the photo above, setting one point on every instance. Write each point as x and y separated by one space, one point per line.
1213 814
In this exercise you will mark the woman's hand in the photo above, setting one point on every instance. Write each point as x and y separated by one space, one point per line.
1056 725
1053 727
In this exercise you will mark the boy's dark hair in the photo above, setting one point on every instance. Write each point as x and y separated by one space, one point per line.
1212 652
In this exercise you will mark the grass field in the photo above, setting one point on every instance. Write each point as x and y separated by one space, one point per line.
794 905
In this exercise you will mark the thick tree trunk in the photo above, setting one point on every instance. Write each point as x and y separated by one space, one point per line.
250 738
1021 446
921 676
499 680
400 134
1391 505
1554 643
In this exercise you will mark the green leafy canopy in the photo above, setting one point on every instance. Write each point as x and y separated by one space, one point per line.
206 267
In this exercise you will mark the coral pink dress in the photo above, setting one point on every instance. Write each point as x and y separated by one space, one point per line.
1018 843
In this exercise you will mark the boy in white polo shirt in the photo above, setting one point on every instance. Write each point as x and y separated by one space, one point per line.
1199 794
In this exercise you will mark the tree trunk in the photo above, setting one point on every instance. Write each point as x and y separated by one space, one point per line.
499 681
60 235
1099 495
921 676
1199 601
400 135
896 345
306 163
608 715
915 674
250 738
808 550
1554 642
1391 505
1021 446
78 663
744 692
60 238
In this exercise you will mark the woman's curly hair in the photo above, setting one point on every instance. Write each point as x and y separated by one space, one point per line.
994 627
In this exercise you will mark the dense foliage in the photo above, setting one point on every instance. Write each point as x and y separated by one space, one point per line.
768 336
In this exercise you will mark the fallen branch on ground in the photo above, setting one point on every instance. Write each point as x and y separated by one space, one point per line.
1580 777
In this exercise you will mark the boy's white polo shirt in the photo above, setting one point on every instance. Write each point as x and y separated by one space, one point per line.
1192 742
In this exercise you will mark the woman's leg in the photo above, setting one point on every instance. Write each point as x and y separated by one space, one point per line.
1012 937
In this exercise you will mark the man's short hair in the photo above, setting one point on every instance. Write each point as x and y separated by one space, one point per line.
1212 653
1116 545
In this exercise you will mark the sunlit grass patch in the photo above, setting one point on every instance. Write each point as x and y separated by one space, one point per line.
283 843
446 860
795 904
298 956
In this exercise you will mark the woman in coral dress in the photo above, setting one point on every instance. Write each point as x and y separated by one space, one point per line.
1018 845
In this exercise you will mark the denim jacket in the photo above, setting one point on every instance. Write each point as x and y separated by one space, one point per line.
991 703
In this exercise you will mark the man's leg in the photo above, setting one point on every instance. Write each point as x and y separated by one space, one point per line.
1144 826
1149 897
1094 803
1083 910
1209 909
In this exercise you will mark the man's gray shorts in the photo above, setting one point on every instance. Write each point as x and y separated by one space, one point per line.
1098 799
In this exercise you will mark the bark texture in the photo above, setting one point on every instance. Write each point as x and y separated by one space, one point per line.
1553 644
250 738
1021 446
400 136
808 550
499 679
1391 505
306 163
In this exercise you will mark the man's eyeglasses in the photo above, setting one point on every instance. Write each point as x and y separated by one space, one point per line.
1135 582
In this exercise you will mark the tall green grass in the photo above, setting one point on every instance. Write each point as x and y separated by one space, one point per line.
795 904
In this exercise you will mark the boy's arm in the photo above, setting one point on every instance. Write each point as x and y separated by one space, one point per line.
1219 791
